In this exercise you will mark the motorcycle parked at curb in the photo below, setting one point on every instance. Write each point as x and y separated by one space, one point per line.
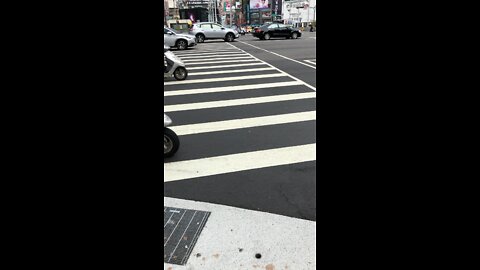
171 142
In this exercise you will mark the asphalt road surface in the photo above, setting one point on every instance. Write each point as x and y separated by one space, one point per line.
246 117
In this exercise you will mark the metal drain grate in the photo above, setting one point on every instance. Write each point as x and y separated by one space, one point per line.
181 230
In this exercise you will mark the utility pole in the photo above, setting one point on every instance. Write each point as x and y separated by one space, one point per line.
231 13
215 11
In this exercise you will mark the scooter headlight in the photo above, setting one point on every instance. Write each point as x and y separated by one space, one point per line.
166 120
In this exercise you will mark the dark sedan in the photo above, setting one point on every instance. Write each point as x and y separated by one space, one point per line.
276 30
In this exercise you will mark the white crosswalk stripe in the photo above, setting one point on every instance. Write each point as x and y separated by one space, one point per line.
230 71
228 88
238 162
245 123
236 102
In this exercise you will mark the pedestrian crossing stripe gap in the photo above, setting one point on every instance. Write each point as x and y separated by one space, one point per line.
236 78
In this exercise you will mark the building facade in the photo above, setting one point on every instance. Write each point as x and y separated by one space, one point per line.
260 12
300 13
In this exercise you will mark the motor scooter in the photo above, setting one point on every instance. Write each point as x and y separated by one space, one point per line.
171 143
174 65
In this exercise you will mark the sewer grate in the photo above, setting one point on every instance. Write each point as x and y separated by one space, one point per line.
181 230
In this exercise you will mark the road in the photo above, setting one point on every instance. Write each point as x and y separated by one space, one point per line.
246 117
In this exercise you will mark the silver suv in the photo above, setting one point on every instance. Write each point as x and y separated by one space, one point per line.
180 41
207 30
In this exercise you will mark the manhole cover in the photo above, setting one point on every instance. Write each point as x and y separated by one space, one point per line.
181 230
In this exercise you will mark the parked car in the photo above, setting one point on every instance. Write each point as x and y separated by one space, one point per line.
270 30
180 41
207 30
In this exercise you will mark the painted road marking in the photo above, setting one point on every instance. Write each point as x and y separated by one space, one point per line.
236 102
274 53
230 71
312 61
229 88
224 79
226 50
211 56
245 123
227 66
220 58
283 72
182 170
223 61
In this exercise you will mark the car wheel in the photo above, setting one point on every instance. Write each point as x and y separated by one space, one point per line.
180 73
229 37
294 35
200 38
266 36
181 44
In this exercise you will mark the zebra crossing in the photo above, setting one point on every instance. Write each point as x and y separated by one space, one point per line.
311 61
240 120
229 94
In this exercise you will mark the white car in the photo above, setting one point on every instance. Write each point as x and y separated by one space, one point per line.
180 41
207 30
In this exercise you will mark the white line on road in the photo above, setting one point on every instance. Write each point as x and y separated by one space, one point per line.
182 170
245 123
229 88
201 51
227 66
311 62
211 56
220 58
224 79
236 102
223 61
230 71
286 74
274 53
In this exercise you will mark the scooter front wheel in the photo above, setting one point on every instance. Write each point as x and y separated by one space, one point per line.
180 73
171 143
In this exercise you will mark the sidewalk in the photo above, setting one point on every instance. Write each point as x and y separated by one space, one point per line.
233 237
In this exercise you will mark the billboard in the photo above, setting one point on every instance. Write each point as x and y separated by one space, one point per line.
259 4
